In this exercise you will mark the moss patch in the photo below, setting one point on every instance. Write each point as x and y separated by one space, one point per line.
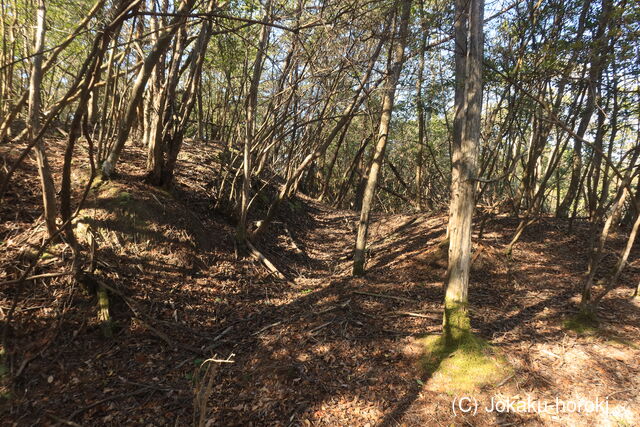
616 340
457 325
582 324
465 367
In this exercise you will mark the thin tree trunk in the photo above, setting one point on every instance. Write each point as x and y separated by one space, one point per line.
420 112
294 175
598 60
252 106
395 66
44 170
91 69
622 262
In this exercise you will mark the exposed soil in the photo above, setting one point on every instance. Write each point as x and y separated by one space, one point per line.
321 348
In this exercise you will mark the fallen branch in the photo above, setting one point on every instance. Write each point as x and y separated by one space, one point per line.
293 243
411 314
266 327
37 276
216 338
108 399
383 296
164 337
258 255
341 305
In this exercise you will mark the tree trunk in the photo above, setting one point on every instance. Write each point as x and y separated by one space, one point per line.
35 80
188 101
468 104
393 74
421 118
252 106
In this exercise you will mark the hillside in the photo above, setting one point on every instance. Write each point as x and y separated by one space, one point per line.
316 348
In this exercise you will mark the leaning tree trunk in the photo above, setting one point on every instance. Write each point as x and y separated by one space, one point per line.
395 66
466 138
44 170
598 61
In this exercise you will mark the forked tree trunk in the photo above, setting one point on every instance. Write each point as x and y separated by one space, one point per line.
466 138
189 98
393 74
35 80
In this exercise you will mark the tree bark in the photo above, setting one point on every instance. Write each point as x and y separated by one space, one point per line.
468 104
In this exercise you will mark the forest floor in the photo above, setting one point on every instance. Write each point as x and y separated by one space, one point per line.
319 348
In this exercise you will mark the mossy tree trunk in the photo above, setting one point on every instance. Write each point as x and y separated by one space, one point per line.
466 136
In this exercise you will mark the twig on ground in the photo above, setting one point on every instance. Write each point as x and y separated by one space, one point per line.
62 420
267 327
411 314
37 276
317 328
383 296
